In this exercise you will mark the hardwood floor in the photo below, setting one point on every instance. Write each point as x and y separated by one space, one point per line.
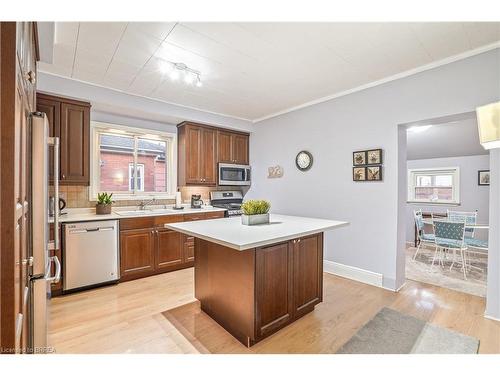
160 315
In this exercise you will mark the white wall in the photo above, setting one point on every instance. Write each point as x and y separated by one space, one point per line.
472 196
366 119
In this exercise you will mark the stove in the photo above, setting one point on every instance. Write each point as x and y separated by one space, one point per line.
230 200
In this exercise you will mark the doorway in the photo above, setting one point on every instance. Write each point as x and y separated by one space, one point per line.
446 179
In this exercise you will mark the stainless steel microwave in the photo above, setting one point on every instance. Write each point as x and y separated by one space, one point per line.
234 174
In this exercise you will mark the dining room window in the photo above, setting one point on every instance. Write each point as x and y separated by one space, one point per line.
434 186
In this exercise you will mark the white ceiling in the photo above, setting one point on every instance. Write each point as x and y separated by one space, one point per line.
458 138
253 70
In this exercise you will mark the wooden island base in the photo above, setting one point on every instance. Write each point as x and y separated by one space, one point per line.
254 293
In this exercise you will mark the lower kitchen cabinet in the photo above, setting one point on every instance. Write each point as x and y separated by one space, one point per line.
288 282
188 246
273 287
148 248
169 249
137 253
307 273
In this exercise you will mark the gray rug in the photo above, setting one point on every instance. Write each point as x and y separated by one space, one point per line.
420 270
391 332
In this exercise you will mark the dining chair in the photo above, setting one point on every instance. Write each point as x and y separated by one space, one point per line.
450 235
468 217
422 237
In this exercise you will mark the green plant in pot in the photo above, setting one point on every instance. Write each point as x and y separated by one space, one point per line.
104 203
255 212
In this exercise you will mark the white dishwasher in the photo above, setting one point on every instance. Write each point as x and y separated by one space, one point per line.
90 254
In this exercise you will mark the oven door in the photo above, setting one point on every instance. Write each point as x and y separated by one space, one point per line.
234 174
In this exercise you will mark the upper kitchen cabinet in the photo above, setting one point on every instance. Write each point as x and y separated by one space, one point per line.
201 147
232 147
197 154
70 121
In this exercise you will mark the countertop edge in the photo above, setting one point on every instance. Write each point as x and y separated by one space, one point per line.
253 245
84 217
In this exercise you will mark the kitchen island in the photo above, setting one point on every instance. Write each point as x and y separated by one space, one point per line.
255 280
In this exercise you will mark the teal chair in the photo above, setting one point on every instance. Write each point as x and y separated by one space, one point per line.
468 217
422 237
450 235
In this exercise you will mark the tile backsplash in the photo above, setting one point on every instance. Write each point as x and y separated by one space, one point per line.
78 196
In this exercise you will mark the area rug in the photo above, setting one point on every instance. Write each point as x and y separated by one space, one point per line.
420 270
391 332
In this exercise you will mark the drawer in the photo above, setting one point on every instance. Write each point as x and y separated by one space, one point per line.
161 220
194 217
137 223
214 215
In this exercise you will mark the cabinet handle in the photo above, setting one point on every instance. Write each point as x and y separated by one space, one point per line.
63 176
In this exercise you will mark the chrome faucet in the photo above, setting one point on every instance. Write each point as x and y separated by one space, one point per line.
144 203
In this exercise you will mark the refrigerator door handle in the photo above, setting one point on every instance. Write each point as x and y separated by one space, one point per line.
57 277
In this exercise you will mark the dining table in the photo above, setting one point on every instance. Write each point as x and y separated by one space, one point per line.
467 225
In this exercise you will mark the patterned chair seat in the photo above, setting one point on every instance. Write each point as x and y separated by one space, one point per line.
449 243
427 237
474 242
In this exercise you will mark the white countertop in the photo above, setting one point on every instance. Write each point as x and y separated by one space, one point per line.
88 214
231 233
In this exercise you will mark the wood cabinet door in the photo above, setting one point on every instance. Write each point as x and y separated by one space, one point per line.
74 144
137 256
169 249
273 287
307 273
52 108
240 149
209 156
193 154
224 145
188 244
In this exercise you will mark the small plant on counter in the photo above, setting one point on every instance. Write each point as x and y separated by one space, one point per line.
104 202
255 212
255 207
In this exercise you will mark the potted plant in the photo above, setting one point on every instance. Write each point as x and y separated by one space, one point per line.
104 203
255 212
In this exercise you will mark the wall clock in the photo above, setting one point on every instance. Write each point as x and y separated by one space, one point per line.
304 160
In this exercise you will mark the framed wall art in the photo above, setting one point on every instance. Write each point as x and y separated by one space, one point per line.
359 158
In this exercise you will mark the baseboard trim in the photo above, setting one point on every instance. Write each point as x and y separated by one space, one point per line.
353 273
491 318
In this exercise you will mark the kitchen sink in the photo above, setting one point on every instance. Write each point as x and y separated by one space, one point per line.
135 212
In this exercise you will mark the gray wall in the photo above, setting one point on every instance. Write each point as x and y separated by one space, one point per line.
472 196
366 119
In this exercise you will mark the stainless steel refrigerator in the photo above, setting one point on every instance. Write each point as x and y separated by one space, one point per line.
41 247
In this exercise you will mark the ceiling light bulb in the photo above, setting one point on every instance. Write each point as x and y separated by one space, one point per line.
165 67
174 74
198 82
188 78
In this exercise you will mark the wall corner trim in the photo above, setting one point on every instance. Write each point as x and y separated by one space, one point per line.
354 273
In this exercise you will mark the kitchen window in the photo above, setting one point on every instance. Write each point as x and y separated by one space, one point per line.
132 163
434 186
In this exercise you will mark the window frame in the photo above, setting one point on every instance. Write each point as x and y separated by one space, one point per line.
413 173
97 127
